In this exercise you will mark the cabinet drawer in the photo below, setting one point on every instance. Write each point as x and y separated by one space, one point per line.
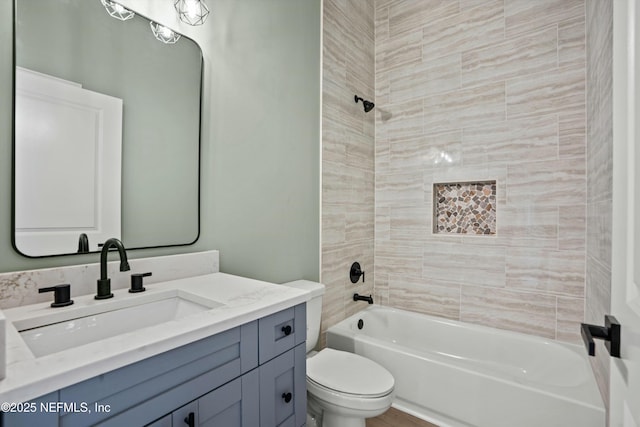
283 394
281 331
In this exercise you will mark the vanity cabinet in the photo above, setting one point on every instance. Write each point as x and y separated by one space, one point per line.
250 375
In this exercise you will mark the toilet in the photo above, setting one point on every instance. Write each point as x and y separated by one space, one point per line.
343 389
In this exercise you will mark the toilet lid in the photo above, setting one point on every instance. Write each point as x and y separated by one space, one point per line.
349 373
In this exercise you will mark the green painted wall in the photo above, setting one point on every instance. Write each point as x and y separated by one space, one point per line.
261 138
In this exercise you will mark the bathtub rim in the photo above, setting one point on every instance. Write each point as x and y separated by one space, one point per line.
590 398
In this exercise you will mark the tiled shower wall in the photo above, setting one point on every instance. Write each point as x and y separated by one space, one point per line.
347 155
483 90
599 175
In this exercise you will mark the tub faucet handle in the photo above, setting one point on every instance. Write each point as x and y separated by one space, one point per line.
356 272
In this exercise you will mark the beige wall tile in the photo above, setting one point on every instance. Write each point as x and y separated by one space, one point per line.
382 159
572 130
425 78
506 309
546 271
382 223
426 152
339 106
334 223
334 146
598 303
335 186
479 265
381 23
399 258
599 18
359 151
362 15
469 4
411 15
412 223
570 315
572 223
403 120
529 226
469 107
348 150
416 294
525 15
557 182
535 138
469 29
520 121
530 53
546 92
359 223
599 225
399 51
399 188
383 91
572 49
382 3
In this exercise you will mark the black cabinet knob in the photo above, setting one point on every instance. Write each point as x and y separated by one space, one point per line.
190 420
287 397
287 329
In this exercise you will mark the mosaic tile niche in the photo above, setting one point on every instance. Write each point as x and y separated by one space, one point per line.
465 208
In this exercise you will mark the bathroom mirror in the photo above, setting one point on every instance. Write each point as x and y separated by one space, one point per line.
106 131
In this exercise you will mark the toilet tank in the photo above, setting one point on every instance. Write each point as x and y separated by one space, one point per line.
314 309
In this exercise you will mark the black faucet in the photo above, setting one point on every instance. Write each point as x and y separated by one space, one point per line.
104 283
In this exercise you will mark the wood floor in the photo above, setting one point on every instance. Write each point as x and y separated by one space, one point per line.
395 418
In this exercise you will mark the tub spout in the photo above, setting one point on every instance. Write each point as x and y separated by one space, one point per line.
368 299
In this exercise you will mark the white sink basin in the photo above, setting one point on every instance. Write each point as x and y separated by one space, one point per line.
61 330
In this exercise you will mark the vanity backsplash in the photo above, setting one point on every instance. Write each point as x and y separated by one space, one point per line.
19 288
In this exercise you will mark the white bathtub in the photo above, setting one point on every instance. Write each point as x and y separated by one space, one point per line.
456 374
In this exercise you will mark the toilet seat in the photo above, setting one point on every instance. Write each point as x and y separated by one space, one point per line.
348 374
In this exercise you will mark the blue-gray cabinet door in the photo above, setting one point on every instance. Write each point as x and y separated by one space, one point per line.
235 404
283 392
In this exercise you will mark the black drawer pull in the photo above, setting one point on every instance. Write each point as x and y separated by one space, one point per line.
191 419
287 329
287 397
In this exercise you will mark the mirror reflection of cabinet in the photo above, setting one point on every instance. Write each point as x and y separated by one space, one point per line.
159 87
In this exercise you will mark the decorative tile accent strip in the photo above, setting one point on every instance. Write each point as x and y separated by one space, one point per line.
465 208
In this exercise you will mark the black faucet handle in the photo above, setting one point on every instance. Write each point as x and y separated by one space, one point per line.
137 282
355 272
61 294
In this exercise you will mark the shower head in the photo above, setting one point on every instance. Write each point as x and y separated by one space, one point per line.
368 105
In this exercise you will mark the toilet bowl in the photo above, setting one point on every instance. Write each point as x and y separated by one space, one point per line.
347 388
343 389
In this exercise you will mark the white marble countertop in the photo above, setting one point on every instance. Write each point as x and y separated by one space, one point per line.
244 300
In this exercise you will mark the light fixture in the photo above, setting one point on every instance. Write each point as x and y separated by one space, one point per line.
117 11
192 12
164 34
